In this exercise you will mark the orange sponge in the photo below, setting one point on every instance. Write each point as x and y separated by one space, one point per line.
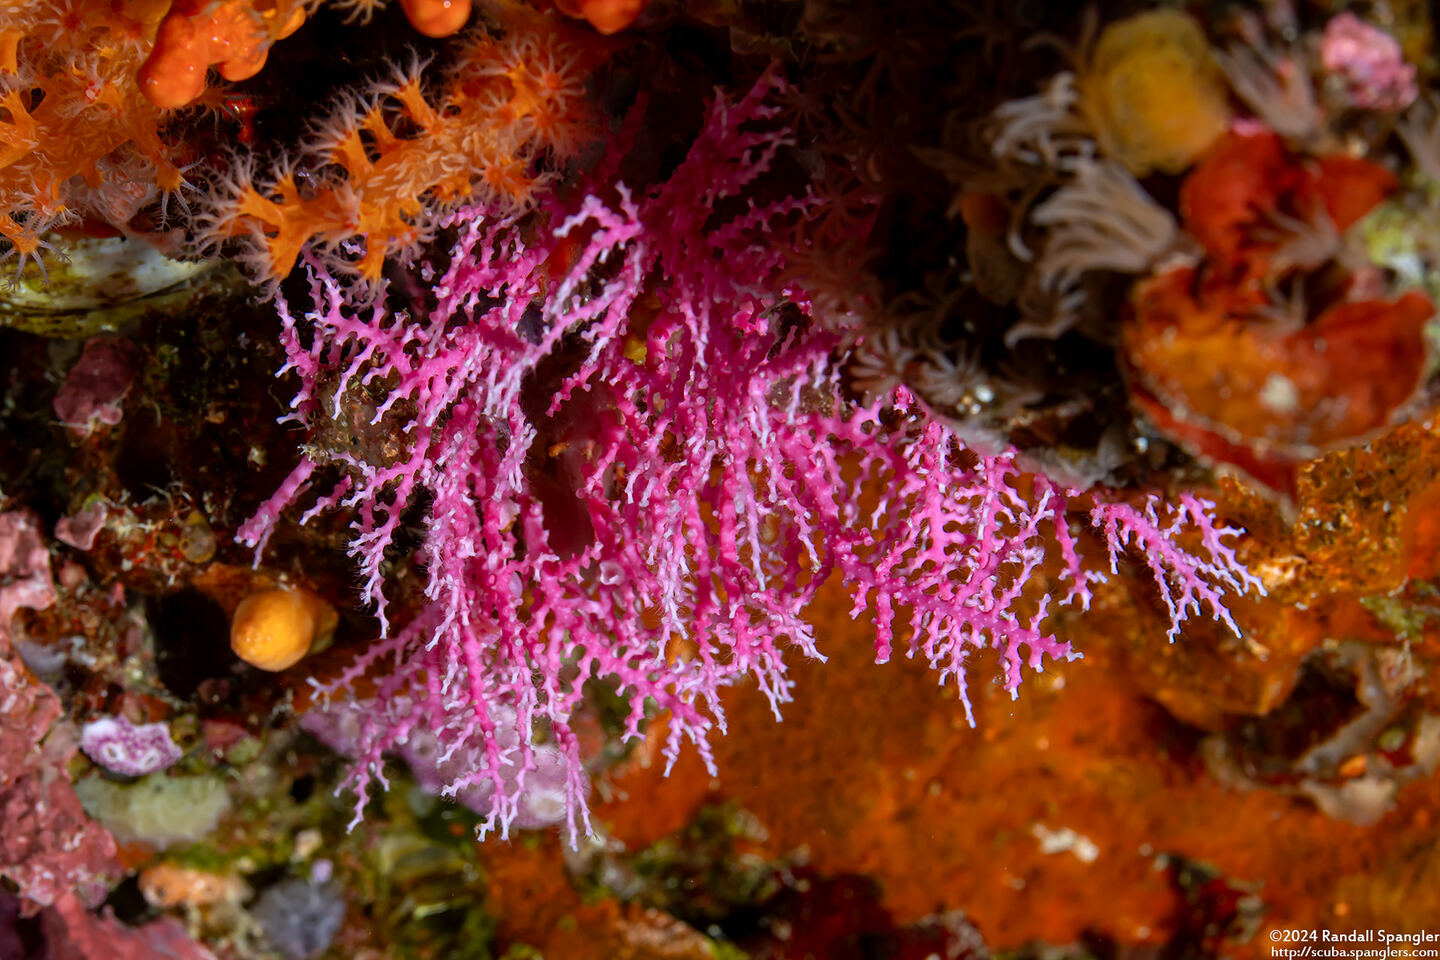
273 629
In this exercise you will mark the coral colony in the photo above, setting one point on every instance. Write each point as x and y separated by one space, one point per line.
516 383
708 460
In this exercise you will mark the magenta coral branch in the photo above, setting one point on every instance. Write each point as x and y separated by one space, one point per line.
640 468
1187 582
256 531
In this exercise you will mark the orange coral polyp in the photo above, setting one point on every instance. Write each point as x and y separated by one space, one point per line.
505 103
606 16
233 36
73 120
436 18
274 629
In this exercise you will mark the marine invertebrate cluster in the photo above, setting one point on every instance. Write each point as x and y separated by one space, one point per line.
624 379
1300 370
90 91
80 139
374 169
1260 251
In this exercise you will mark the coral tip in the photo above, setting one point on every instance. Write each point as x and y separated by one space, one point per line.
273 629
436 18
174 73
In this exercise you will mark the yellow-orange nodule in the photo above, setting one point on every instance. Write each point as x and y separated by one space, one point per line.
273 629
436 18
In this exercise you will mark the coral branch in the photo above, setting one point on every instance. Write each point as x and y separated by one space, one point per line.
639 469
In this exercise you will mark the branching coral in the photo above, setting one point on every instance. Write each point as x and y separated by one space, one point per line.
639 470
1186 584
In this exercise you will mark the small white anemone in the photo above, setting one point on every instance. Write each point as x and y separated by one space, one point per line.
1103 220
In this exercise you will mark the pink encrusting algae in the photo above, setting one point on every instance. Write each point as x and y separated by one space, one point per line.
49 850
663 523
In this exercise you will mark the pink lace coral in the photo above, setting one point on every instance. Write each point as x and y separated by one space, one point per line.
639 469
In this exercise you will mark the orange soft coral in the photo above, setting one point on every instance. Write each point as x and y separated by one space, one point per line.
606 16
367 185
77 138
234 36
